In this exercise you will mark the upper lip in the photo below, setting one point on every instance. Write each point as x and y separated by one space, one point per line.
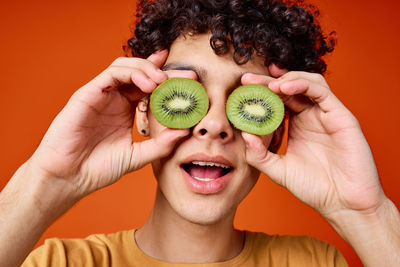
207 158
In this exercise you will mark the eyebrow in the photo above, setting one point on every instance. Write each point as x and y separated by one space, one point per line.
200 72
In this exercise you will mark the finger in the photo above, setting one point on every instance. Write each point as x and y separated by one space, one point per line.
181 74
143 81
294 75
276 71
147 151
132 94
129 76
158 58
315 91
295 103
131 83
149 66
258 156
252 78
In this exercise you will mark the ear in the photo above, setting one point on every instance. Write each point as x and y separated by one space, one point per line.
277 138
142 121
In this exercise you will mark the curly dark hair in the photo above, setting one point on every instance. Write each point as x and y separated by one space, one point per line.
284 33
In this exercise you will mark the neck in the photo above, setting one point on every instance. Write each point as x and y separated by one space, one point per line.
169 237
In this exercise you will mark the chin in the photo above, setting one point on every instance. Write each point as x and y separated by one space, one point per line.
205 215
199 209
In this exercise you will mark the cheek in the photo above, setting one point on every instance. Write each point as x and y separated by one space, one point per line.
251 175
244 185
155 129
156 168
161 169
246 169
154 126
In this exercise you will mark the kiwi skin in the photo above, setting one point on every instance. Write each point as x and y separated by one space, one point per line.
255 109
179 103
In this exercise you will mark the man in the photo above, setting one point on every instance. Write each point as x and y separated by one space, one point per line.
328 164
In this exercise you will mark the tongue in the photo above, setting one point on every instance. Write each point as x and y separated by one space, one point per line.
205 172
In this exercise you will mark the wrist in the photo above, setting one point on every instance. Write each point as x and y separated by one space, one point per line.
374 234
27 207
348 220
34 191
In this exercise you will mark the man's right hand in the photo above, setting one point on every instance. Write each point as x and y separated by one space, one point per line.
88 146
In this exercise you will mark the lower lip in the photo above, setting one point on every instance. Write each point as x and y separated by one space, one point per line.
206 187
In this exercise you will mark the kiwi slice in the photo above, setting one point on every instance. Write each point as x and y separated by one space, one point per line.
255 109
179 103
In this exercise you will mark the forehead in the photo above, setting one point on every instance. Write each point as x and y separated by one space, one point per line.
195 53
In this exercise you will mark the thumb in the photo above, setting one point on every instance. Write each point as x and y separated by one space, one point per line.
147 151
258 156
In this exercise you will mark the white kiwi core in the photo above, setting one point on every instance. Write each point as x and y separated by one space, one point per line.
179 104
255 110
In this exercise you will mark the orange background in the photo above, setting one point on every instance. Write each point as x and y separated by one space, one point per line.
49 49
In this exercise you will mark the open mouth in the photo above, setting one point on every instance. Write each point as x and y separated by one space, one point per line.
206 171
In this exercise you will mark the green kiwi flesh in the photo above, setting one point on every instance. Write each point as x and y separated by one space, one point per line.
255 109
179 103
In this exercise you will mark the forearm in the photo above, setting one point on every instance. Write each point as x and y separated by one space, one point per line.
375 237
28 205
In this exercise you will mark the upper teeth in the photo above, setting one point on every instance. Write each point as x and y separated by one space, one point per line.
206 163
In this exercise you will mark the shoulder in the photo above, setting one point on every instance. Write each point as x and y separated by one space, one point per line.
287 242
89 251
301 250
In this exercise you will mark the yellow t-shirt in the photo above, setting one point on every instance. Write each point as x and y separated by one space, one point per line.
120 249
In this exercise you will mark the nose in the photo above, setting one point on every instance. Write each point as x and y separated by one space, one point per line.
215 125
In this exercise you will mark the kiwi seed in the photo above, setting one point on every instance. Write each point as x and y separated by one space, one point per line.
255 109
179 103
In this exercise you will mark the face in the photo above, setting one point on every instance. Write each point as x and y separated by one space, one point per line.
206 177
